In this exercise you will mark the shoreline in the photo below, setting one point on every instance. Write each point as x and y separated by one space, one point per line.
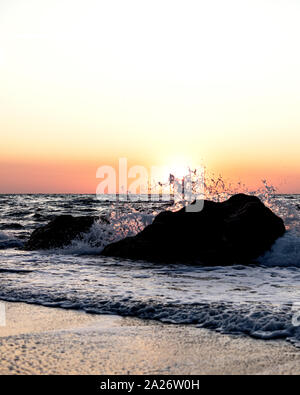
47 340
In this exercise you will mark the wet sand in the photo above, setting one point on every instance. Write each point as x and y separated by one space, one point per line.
43 340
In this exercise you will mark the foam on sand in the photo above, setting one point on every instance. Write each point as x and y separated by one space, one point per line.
36 338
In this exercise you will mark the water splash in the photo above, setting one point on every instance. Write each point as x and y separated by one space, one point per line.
116 225
123 219
204 184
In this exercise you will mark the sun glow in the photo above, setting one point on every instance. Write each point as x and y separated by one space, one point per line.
86 82
179 167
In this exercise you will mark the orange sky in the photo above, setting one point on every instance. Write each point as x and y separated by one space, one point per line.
84 83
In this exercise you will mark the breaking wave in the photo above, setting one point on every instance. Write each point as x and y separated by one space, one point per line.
285 252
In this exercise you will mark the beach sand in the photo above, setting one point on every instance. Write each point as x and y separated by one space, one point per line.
43 340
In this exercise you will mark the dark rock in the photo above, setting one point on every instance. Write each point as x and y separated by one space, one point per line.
236 231
59 232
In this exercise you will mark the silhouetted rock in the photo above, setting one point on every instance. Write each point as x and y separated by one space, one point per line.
59 232
236 231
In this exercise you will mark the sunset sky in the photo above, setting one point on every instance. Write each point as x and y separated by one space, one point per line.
85 82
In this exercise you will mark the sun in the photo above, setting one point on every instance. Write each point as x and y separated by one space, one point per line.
179 167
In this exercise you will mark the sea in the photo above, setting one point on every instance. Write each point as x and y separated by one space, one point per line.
260 300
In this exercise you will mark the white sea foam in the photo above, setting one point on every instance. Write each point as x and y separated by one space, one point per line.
117 226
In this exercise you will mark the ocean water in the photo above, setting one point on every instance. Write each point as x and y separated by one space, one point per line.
260 301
